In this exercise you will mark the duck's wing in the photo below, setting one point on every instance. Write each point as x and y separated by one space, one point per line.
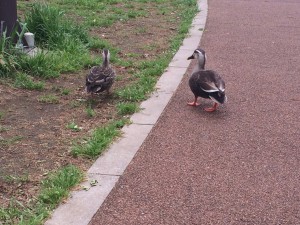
99 75
209 87
220 84
96 74
210 82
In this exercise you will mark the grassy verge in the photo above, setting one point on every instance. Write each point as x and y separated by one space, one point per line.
66 48
53 189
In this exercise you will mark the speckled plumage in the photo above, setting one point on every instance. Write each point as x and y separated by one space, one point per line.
100 78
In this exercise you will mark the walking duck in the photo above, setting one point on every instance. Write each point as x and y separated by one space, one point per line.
206 83
101 78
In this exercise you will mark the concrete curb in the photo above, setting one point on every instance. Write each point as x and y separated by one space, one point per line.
82 205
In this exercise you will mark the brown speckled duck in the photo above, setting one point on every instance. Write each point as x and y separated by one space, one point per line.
101 78
206 83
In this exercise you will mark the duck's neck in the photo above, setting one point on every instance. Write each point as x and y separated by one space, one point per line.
105 62
105 55
199 66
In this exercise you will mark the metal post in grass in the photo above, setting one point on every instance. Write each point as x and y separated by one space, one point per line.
8 14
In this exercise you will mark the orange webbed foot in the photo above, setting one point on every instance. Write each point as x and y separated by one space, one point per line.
212 109
193 103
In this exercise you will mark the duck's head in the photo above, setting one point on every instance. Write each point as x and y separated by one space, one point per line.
105 54
200 55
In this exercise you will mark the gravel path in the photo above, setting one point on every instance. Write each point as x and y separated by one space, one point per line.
240 164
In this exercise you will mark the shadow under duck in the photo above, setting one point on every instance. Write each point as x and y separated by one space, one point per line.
101 78
206 83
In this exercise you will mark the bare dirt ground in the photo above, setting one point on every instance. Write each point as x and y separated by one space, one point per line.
34 139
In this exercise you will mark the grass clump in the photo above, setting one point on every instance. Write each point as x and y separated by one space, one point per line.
53 189
73 126
65 91
65 45
17 178
49 98
90 112
23 80
51 29
10 141
100 139
127 108
2 115
56 186
3 129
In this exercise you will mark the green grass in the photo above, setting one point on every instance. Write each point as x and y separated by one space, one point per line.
53 189
100 139
23 80
10 141
75 104
147 77
148 71
52 30
127 108
16 178
90 112
65 91
2 115
56 186
65 45
73 126
3 129
49 98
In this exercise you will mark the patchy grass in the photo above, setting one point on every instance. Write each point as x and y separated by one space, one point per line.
49 98
127 108
75 104
74 127
90 112
25 81
9 141
3 129
56 186
53 189
65 91
100 139
17 179
2 115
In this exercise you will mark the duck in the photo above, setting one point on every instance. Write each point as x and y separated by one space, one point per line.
206 83
101 78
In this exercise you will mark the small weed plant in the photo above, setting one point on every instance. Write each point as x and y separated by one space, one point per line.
90 112
74 127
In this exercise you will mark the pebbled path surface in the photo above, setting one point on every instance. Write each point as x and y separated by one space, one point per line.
241 164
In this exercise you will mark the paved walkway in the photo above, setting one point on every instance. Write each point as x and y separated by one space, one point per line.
241 164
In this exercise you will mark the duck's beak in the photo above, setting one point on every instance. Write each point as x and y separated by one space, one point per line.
191 57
